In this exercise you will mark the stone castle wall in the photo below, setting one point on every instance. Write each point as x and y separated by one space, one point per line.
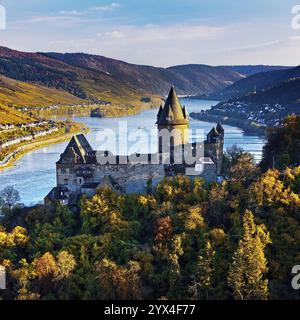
131 177
215 152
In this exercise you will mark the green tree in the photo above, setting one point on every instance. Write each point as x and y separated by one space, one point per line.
205 270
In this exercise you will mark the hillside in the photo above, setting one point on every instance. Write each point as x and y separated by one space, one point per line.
39 69
9 115
19 93
256 111
46 79
205 79
250 70
188 79
286 93
258 82
282 149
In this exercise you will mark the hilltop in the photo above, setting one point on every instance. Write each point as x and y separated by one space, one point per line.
251 70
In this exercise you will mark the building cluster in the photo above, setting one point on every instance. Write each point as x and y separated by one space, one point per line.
82 170
10 126
28 137
56 107
264 115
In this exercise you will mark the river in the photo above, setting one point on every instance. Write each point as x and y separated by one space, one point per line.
34 174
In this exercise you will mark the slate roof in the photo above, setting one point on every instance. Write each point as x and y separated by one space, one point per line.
172 112
220 128
78 148
213 133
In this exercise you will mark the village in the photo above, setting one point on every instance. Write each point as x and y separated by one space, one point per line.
262 115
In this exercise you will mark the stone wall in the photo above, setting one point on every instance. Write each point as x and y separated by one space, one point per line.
132 178
215 152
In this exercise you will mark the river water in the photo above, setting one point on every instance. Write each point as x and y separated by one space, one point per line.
34 175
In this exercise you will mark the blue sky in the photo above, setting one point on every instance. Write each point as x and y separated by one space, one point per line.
158 32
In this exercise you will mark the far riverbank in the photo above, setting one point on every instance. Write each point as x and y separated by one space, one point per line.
247 126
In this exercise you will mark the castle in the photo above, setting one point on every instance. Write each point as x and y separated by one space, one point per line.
81 170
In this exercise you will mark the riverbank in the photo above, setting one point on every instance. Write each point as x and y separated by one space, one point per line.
35 174
108 110
105 112
247 126
10 159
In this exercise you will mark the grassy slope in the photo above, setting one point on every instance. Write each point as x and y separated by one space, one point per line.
9 115
18 93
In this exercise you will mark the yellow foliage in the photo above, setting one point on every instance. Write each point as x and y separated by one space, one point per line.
194 219
18 237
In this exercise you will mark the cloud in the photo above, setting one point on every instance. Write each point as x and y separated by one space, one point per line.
70 12
254 46
70 16
155 33
52 19
110 7
294 38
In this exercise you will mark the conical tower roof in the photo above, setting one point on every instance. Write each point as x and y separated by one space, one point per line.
213 132
220 129
172 112
80 148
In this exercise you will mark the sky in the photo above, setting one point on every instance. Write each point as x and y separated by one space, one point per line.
158 32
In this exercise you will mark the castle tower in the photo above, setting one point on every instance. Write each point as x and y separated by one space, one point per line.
172 119
214 145
220 130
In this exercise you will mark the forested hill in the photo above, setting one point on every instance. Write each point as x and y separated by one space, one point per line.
282 149
183 240
258 82
82 75
250 70
188 79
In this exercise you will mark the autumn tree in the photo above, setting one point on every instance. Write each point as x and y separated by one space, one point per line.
246 275
244 169
119 282
204 272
